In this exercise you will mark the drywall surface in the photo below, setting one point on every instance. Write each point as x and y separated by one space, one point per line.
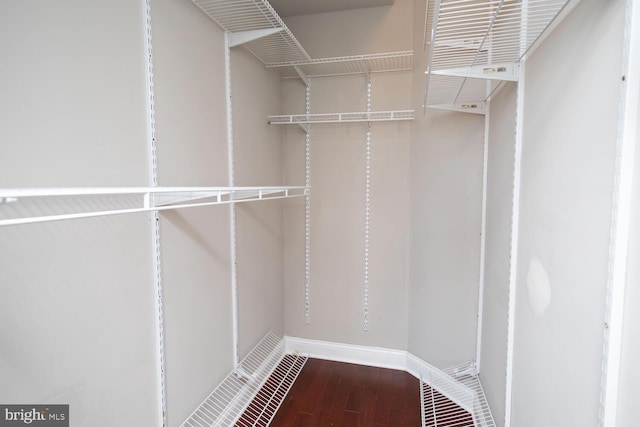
338 167
628 409
445 216
502 126
77 319
73 108
446 191
355 32
192 150
337 214
567 177
258 161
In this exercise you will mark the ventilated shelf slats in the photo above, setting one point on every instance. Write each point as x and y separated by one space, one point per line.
35 205
257 26
252 394
474 45
454 397
344 65
351 117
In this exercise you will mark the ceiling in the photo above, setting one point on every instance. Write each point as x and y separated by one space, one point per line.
305 7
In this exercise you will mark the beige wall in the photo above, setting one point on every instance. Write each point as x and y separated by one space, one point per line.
567 179
338 186
628 409
77 317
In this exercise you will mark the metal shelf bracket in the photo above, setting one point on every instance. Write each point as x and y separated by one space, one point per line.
466 107
503 72
242 37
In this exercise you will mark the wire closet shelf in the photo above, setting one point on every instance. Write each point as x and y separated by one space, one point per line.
36 205
373 116
252 394
256 25
474 45
454 397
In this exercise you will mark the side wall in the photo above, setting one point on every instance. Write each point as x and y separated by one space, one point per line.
74 114
570 121
77 319
446 197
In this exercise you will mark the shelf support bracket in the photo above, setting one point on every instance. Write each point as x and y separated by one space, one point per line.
462 107
504 72
302 75
242 37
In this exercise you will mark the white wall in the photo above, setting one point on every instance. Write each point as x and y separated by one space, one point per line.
570 118
502 126
628 409
446 195
258 161
77 322
446 189
338 186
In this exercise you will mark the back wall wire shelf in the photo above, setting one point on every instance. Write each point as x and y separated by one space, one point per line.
373 116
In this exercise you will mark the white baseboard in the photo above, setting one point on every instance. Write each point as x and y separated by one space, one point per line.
382 358
349 353
360 354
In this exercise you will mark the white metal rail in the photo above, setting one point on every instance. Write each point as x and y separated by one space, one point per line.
148 199
351 117
472 41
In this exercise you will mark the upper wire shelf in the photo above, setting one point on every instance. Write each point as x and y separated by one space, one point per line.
82 202
268 38
355 64
474 45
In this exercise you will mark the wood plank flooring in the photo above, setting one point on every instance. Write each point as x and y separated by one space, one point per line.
342 394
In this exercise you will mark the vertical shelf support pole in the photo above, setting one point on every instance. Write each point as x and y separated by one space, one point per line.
621 217
154 216
367 202
232 206
307 207
483 235
515 230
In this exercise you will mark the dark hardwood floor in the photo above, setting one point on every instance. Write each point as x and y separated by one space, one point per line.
341 394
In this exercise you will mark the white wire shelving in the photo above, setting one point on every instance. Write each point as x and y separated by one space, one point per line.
344 65
454 397
364 116
252 394
255 25
13 202
474 45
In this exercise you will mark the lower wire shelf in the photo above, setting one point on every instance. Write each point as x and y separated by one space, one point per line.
454 397
252 394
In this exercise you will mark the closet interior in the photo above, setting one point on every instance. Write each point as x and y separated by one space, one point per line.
196 196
